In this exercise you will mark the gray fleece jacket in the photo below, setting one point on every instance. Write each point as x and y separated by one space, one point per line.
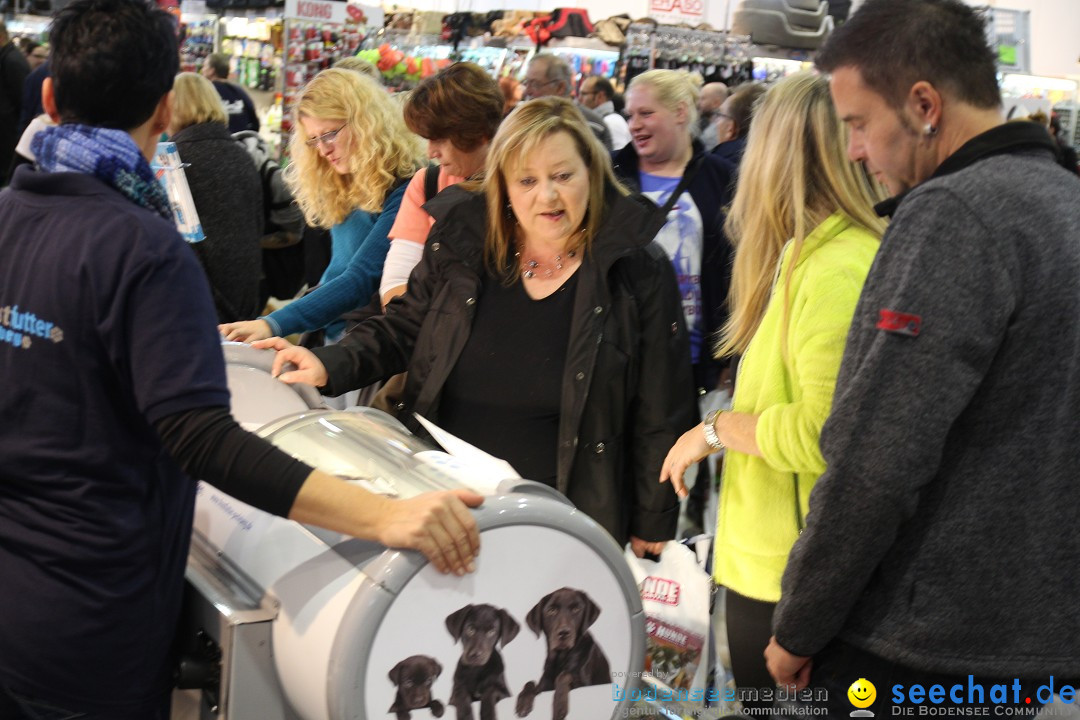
944 534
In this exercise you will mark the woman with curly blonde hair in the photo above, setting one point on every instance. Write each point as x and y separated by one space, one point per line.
352 157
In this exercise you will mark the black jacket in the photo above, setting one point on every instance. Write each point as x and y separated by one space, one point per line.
711 190
227 192
626 389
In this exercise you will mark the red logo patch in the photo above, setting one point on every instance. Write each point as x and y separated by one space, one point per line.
900 323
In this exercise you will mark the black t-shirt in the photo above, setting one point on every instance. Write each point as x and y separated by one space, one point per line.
238 107
106 327
503 394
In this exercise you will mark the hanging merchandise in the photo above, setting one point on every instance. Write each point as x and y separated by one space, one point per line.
312 46
717 57
198 41
612 30
512 23
570 22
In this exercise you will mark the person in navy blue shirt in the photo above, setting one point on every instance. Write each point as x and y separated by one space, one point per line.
116 396
235 100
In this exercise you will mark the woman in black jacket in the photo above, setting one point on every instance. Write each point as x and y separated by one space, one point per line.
227 193
542 325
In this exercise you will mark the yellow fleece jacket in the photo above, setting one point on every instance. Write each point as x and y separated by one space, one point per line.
763 500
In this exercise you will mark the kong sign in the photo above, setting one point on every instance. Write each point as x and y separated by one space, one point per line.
323 11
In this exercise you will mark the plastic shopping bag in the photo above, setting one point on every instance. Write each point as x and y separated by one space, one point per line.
675 595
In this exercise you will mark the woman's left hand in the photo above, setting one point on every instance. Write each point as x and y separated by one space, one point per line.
639 547
689 450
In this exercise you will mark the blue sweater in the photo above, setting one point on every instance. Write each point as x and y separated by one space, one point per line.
357 252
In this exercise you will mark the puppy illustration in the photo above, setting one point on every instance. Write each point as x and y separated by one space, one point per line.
414 677
573 658
480 672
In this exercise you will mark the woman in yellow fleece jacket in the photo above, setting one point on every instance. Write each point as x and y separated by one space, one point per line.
805 234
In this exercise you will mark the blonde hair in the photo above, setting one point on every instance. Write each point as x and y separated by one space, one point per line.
519 135
383 151
672 88
196 101
360 65
785 190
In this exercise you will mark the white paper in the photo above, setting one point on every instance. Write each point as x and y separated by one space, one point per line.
478 470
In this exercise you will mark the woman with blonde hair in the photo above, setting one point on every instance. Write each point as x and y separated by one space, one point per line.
352 158
673 169
541 325
227 193
805 234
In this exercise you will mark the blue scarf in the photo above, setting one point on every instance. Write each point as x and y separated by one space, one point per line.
109 155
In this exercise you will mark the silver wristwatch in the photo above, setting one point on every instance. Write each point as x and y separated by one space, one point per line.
710 430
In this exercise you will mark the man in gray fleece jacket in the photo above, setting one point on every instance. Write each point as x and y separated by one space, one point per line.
942 544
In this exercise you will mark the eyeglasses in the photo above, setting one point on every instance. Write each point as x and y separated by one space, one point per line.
538 83
43 56
327 139
583 93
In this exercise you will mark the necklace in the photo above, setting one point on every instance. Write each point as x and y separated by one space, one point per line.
531 268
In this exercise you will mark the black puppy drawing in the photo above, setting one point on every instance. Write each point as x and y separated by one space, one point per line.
573 658
413 677
480 671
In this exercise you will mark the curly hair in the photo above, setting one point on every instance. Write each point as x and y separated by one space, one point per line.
383 151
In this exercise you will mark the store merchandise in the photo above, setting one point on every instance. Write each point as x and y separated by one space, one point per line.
715 56
197 43
256 50
310 48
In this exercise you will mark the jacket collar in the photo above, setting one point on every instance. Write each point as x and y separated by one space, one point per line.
827 230
604 109
1007 138
203 131
628 164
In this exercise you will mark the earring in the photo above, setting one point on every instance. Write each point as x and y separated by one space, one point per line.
930 130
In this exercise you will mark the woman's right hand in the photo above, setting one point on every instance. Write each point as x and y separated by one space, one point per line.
307 368
689 450
246 330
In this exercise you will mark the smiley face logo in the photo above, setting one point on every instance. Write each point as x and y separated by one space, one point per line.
862 693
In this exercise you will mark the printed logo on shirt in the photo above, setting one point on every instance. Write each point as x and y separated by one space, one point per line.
233 107
19 328
682 237
899 323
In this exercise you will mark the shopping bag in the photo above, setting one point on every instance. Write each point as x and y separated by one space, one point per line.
675 594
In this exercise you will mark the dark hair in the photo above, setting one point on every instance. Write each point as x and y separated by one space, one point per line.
112 61
742 103
897 43
619 101
461 103
220 63
602 84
